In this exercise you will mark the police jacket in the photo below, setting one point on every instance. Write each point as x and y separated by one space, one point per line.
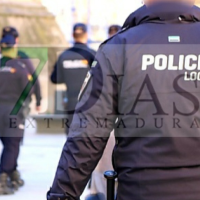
71 69
145 85
14 78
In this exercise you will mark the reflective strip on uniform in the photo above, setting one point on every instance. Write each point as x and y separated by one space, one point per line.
8 69
85 83
94 64
174 39
74 64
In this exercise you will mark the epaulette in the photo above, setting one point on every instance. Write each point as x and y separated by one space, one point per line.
21 64
119 32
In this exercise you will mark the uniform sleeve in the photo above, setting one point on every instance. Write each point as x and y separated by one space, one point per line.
54 74
92 57
38 93
31 70
36 88
91 127
57 75
23 75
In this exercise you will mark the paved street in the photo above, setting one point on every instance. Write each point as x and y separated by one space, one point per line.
37 163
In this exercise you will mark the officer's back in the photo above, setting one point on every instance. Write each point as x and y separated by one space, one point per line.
150 83
13 80
13 74
159 141
73 65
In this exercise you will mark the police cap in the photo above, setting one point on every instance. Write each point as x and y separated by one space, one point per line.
8 41
10 31
79 28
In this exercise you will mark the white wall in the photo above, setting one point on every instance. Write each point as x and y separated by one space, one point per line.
98 14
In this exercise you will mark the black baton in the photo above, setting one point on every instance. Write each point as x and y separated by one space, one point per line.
110 176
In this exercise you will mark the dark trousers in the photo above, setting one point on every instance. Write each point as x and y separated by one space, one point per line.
11 134
10 153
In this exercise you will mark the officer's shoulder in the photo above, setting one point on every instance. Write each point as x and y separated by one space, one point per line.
91 51
196 12
120 36
114 39
196 8
66 52
20 65
117 39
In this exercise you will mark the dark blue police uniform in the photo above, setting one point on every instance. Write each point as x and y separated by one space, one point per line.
11 31
145 85
31 70
13 80
71 69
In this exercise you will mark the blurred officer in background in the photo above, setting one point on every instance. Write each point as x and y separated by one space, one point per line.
98 182
142 86
11 31
72 67
113 29
14 78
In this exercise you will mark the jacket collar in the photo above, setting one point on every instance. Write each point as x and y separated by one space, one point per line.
164 11
79 44
161 13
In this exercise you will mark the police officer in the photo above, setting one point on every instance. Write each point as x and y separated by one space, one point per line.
8 30
72 67
145 84
14 78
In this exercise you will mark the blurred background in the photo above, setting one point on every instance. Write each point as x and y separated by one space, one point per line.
48 23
